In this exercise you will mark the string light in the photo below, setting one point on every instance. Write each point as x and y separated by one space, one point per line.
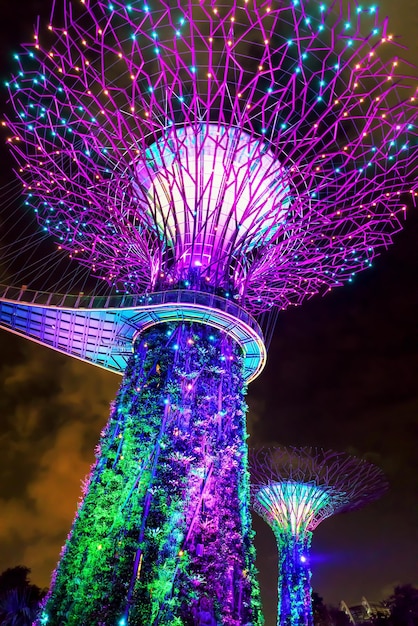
143 191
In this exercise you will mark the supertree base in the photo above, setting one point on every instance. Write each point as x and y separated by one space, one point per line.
163 533
294 586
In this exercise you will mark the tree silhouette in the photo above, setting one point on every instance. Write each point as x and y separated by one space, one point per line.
19 598
14 577
19 607
404 606
320 612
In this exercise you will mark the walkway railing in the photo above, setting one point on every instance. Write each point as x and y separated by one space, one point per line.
86 302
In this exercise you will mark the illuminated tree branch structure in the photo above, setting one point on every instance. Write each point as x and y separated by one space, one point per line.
294 490
206 162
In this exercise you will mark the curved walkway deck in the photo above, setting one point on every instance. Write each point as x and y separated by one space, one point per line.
101 330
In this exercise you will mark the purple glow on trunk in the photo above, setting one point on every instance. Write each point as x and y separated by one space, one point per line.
163 533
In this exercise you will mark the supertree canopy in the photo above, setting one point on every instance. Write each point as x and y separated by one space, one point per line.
294 490
207 161
256 148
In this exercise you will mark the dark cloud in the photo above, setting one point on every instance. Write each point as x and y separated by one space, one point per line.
53 409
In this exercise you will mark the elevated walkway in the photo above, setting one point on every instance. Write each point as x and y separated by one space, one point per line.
101 330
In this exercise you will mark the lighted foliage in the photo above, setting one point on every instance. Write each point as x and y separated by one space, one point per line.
159 539
294 586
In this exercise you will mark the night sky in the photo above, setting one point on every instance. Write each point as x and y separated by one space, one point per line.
342 373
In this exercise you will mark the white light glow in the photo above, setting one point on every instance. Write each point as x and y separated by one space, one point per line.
293 505
213 190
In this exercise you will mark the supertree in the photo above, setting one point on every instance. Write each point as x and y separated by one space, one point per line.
294 490
208 162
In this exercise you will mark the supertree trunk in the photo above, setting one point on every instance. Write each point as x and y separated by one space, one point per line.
294 490
294 586
163 534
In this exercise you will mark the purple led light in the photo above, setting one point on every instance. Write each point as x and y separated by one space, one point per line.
222 147
253 151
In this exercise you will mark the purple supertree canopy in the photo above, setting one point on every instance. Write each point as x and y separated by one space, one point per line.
258 148
294 490
297 488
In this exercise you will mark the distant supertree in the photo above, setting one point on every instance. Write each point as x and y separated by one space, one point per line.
206 161
294 490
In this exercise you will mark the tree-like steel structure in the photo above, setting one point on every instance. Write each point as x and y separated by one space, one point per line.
294 490
209 161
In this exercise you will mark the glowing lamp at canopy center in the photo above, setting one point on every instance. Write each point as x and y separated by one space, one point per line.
293 505
206 198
